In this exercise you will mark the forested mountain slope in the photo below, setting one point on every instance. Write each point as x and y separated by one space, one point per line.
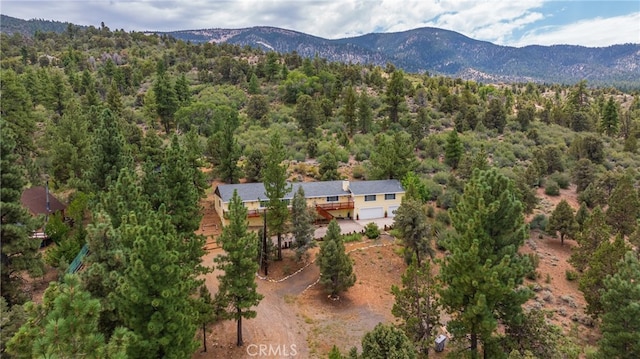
131 129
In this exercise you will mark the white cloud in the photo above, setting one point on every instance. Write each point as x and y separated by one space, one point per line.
598 32
491 20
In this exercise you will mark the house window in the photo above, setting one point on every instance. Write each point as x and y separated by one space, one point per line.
370 198
286 200
390 196
332 199
264 203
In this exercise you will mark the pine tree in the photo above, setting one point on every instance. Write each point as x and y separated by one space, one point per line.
276 188
237 285
114 99
69 145
349 109
563 221
302 218
583 174
155 296
601 264
254 85
483 274
621 313
581 216
387 342
610 118
392 157
179 188
336 269
595 231
453 149
110 151
624 206
414 230
166 101
183 93
230 153
365 113
417 305
16 111
306 113
394 95
65 325
496 117
18 251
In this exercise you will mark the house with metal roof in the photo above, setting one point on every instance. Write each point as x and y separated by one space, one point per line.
331 199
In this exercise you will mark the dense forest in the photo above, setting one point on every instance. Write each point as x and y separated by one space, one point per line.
131 129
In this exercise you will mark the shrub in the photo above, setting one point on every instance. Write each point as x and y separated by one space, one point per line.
351 237
571 275
539 222
443 217
551 188
561 178
359 172
430 211
444 237
371 230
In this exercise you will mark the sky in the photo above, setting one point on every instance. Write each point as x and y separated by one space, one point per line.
504 22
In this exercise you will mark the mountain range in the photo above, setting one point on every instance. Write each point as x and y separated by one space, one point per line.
439 51
424 50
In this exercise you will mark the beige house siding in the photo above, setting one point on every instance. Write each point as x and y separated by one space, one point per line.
348 205
386 204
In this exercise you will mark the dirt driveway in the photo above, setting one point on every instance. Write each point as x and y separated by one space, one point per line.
297 320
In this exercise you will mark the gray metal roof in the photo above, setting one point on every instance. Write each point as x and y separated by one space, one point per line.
321 189
250 192
360 188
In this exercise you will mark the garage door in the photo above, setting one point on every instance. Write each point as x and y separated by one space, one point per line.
370 213
392 211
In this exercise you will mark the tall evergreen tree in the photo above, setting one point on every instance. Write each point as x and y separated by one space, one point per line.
110 151
336 269
624 206
610 118
307 114
155 294
394 95
230 153
392 157
166 101
349 109
69 145
18 252
417 305
563 221
414 230
276 188
66 325
302 218
183 93
483 274
453 149
365 113
621 313
178 188
496 116
16 111
595 231
602 263
238 287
